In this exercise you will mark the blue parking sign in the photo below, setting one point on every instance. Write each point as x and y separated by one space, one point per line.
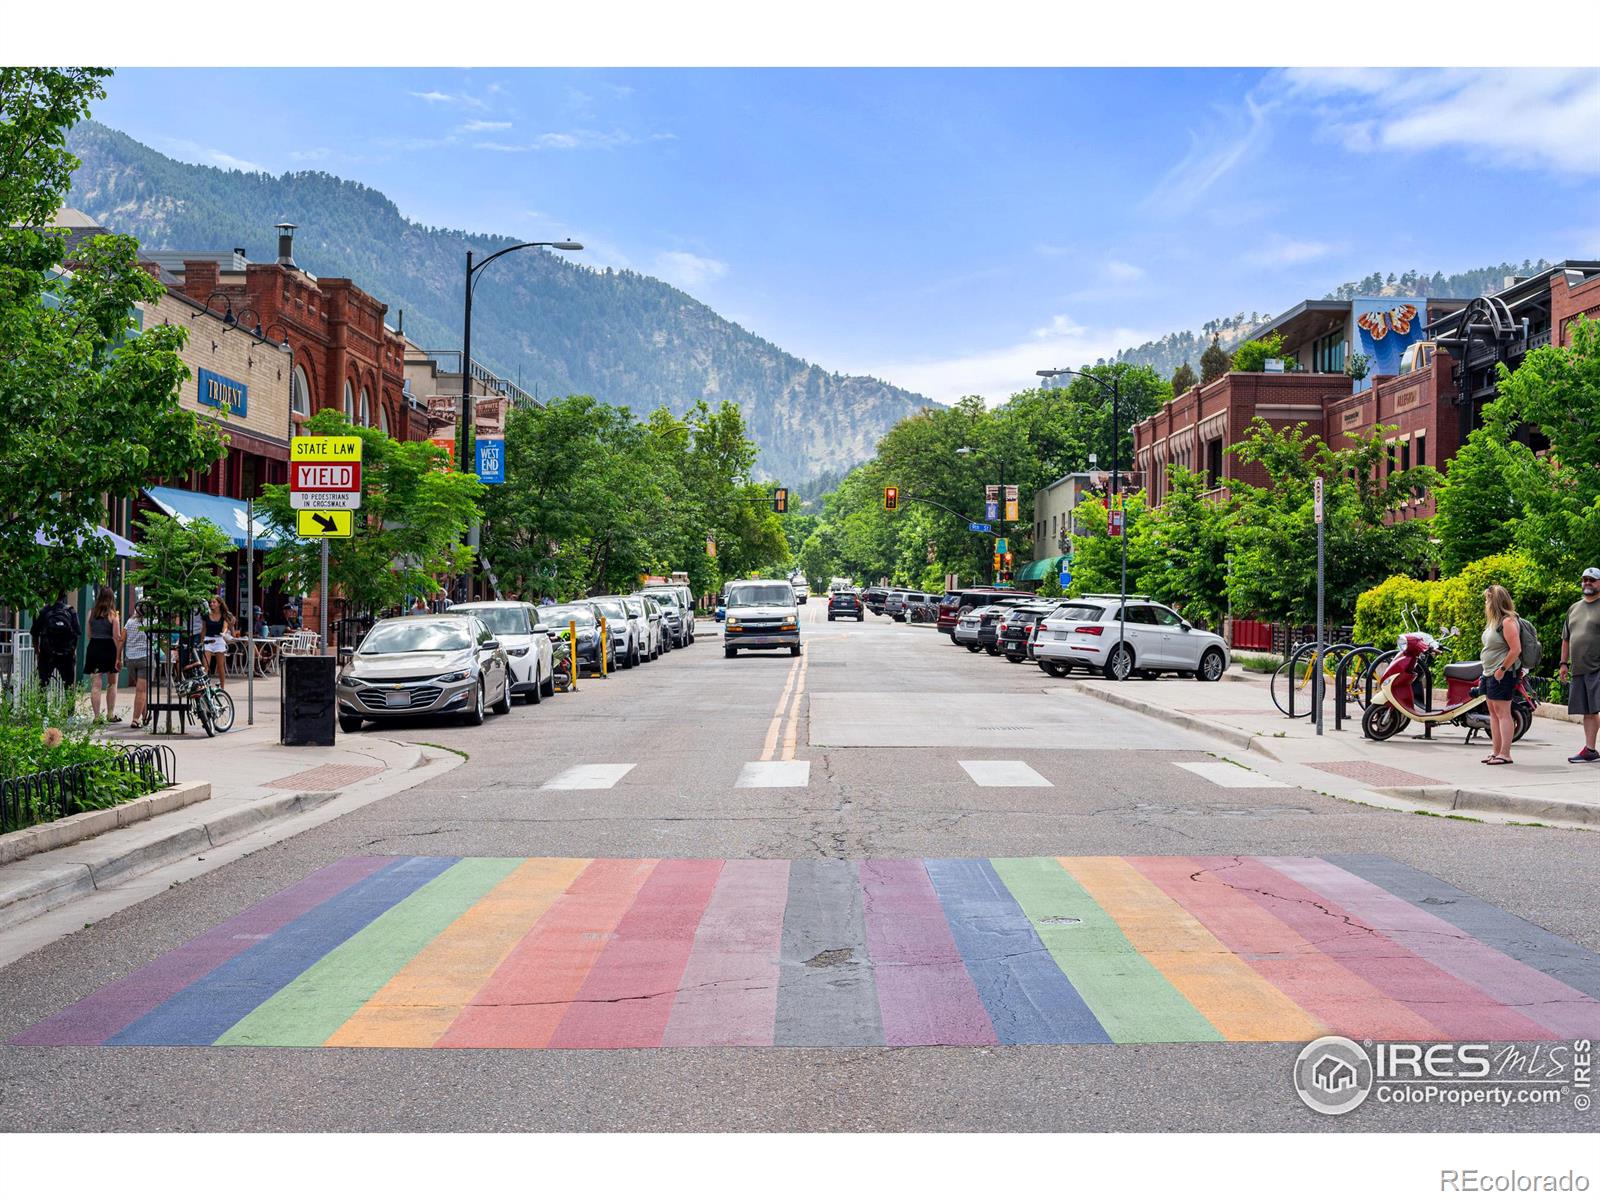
1065 578
491 460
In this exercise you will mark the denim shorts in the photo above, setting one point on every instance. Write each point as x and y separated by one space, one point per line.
1500 689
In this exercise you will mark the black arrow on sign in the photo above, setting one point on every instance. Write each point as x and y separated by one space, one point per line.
329 525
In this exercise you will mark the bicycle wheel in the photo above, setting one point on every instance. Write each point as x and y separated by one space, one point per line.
201 711
1299 672
1356 663
221 710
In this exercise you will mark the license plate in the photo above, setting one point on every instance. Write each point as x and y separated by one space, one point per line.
397 699
1059 634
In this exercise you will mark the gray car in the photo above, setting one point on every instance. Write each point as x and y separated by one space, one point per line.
426 665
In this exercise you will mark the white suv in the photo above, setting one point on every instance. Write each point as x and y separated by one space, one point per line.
1083 633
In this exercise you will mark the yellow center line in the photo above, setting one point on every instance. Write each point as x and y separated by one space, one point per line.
771 744
794 713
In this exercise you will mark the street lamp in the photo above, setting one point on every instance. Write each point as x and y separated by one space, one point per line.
466 332
964 451
1115 391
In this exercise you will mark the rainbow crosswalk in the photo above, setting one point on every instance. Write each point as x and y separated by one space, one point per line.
613 953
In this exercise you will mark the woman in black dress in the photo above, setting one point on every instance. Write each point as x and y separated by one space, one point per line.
103 659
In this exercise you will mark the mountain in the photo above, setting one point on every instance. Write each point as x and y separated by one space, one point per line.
555 326
1165 354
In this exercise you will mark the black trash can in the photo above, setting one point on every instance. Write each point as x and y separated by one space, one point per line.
310 705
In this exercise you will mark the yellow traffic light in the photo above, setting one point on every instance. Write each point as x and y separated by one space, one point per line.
780 500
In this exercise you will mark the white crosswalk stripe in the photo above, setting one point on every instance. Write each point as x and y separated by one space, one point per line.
1229 775
792 774
1003 772
588 777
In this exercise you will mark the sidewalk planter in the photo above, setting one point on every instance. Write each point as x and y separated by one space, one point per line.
101 783
65 831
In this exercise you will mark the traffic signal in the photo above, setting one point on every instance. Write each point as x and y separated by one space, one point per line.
780 500
996 562
891 499
1007 557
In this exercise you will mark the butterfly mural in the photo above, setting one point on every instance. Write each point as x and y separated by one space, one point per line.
1378 323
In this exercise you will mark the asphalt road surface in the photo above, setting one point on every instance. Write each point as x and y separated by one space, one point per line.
888 885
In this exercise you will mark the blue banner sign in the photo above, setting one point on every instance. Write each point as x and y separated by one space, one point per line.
218 391
491 460
991 510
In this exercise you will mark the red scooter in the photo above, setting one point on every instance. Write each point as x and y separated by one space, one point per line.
1400 698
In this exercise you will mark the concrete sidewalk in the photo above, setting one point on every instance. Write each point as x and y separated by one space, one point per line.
261 792
1439 774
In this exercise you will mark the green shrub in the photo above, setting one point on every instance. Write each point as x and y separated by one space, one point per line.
41 731
1264 664
1458 602
1393 607
1252 356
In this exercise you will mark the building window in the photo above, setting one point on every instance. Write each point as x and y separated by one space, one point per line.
383 418
366 410
1214 463
349 402
1405 454
299 392
1422 449
1327 353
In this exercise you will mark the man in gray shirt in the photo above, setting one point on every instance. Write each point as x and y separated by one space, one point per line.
1580 651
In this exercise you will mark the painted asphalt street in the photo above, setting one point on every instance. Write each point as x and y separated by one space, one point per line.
766 894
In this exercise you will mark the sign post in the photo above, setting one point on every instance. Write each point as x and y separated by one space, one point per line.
325 489
249 607
1317 683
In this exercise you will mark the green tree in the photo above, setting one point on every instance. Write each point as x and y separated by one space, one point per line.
180 565
1189 537
1477 507
410 530
90 410
1213 363
1183 379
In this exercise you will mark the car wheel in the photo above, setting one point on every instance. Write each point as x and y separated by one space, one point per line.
475 716
503 705
830 616
1119 663
992 651
860 617
729 652
350 724
1054 669
1015 658
549 685
1148 674
794 651
1211 665
535 696
972 647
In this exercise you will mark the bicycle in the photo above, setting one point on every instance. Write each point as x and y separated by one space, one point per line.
209 704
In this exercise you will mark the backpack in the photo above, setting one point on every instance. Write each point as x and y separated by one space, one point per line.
1531 652
57 637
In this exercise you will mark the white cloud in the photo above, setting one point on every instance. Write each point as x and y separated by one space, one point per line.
686 270
996 373
1213 154
456 99
195 152
1531 118
567 140
1118 271
1280 251
315 154
1051 249
482 126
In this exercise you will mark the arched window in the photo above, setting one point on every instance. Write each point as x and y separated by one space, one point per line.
366 409
383 418
299 392
349 402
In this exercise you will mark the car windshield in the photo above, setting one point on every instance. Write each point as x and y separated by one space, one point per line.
760 593
565 615
666 599
612 609
512 618
1077 612
410 637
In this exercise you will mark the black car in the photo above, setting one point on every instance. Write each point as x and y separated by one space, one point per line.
560 618
1014 634
874 598
845 604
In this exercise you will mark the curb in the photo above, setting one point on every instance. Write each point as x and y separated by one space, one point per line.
1466 800
1223 733
65 831
38 889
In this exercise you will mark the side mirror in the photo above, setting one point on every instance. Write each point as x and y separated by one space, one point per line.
491 644
541 629
1186 626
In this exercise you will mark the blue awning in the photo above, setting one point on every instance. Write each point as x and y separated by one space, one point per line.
121 547
224 512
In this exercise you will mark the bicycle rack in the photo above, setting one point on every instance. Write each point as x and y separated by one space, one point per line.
1319 687
1316 656
1341 676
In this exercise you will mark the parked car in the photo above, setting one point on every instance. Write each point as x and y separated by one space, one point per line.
1083 633
953 604
967 629
762 614
424 665
627 635
559 620
845 604
526 643
1014 634
899 603
873 598
678 606
657 616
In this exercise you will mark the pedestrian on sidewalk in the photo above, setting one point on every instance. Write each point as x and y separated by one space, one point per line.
102 662
1580 651
55 635
136 653
1502 657
218 625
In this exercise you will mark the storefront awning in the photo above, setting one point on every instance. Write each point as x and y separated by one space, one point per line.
224 512
1041 568
120 546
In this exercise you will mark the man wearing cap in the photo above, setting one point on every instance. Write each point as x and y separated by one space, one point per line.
1580 651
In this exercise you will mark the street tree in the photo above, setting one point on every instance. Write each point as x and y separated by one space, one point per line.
1478 508
180 564
411 528
88 402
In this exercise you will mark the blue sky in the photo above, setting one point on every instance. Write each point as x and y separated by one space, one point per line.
949 230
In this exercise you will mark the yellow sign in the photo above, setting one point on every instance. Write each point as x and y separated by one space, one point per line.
326 449
325 523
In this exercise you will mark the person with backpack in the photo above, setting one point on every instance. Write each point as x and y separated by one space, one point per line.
1580 656
102 662
1502 662
55 642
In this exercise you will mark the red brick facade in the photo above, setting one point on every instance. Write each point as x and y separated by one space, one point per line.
1571 298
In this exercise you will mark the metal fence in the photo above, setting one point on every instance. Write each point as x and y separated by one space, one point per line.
61 791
